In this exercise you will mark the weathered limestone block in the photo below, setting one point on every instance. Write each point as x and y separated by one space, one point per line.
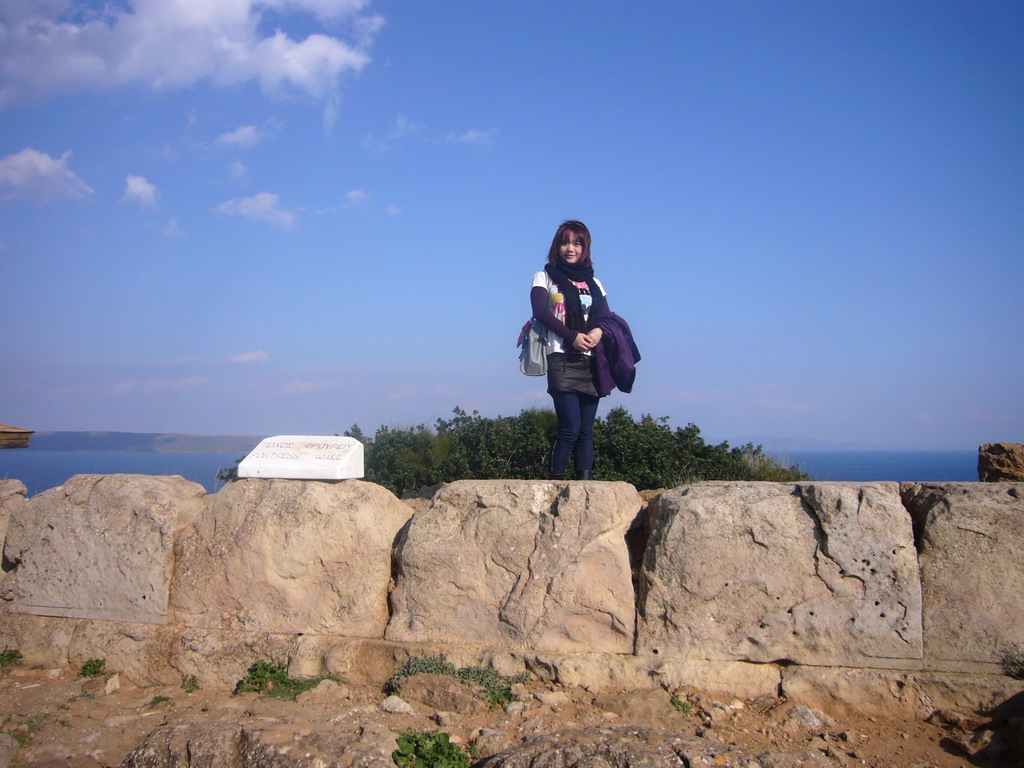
518 564
638 746
971 537
12 497
888 694
813 573
99 547
290 556
24 518
1001 462
265 742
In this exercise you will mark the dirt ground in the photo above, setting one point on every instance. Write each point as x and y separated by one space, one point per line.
59 719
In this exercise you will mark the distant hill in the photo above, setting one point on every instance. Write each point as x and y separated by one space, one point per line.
142 441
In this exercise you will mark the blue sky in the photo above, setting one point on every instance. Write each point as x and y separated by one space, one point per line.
286 217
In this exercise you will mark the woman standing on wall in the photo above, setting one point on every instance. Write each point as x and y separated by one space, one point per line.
568 300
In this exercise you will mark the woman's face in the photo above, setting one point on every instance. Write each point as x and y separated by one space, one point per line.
571 249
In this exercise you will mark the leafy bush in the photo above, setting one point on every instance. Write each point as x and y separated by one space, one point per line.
9 657
427 749
646 453
497 688
229 474
271 679
1012 660
190 683
93 668
683 706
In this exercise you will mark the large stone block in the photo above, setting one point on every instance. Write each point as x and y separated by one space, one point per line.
1001 462
99 547
518 564
888 694
12 498
290 556
971 537
812 573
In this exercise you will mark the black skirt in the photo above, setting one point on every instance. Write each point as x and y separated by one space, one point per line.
571 372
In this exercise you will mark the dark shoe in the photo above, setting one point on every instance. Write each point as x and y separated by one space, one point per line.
585 474
556 476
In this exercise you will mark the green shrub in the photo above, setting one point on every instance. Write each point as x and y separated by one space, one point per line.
497 689
229 474
683 706
271 679
190 683
647 453
93 668
9 657
1012 660
763 466
157 700
427 749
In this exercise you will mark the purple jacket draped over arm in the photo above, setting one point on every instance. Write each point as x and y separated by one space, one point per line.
615 358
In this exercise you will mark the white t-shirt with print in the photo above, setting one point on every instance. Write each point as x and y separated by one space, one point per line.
556 303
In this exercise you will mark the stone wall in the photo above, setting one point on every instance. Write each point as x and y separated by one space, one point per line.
828 592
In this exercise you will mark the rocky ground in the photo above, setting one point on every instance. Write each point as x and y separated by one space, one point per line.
52 718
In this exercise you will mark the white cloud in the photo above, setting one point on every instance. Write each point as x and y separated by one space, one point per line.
37 175
357 198
173 229
261 207
239 171
138 189
474 137
392 210
66 46
246 136
403 127
256 356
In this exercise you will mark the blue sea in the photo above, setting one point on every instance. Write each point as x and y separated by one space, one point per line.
40 470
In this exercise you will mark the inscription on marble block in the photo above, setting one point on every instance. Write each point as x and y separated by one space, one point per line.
305 457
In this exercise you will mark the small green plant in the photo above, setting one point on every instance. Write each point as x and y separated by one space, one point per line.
229 474
157 700
497 688
427 749
21 737
76 696
190 683
683 706
93 668
1012 660
23 732
271 679
9 657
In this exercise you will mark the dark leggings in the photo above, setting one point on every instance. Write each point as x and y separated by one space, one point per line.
575 431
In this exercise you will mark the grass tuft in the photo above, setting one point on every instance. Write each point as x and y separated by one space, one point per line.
93 668
1012 660
9 657
497 688
271 679
190 683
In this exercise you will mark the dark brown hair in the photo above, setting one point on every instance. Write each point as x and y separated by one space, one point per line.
577 228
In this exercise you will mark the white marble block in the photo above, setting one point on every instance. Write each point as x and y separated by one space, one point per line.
305 457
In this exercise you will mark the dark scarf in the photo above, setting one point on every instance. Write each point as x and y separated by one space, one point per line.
563 275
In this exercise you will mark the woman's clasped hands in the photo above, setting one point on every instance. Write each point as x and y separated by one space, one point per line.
584 342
